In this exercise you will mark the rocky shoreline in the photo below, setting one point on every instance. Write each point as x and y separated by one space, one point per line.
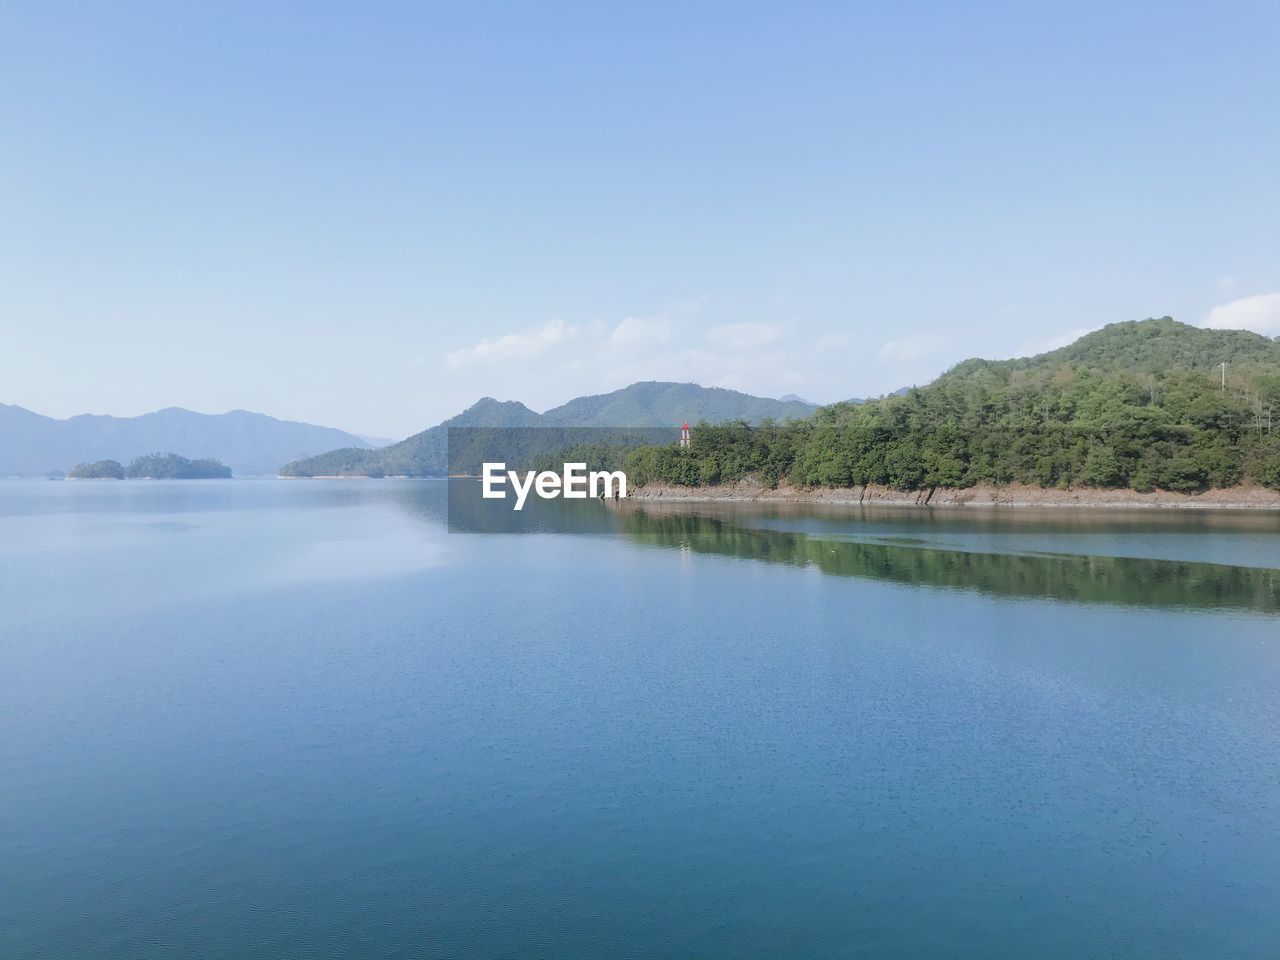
1243 497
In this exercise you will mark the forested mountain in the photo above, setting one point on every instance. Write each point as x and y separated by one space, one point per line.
250 443
657 404
422 455
1146 346
1139 404
651 404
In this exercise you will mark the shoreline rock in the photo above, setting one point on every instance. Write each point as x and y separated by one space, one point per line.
1242 497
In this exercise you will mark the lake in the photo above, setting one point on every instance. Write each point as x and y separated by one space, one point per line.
267 719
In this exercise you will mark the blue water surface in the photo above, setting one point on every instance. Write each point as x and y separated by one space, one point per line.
268 719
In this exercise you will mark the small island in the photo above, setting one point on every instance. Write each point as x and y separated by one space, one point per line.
154 466
99 470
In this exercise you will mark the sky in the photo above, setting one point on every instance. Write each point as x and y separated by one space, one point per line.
369 215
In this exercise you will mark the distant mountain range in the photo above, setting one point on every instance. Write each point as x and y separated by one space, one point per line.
254 444
651 404
249 443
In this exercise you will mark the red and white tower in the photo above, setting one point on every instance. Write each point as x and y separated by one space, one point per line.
684 434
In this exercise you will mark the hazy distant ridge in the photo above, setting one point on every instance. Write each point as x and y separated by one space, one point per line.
249 443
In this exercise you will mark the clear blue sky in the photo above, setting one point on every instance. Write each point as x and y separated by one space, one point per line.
371 214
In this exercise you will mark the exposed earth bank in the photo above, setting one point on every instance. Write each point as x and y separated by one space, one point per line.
983 495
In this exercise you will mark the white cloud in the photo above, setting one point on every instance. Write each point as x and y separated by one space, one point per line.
642 331
670 324
739 346
513 346
743 336
831 341
1260 313
915 347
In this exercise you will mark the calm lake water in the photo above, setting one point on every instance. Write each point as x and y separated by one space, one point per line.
249 719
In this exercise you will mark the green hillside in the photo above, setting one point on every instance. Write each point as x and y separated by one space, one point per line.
1138 405
1142 346
650 404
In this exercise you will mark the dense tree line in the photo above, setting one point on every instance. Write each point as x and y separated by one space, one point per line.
1138 405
